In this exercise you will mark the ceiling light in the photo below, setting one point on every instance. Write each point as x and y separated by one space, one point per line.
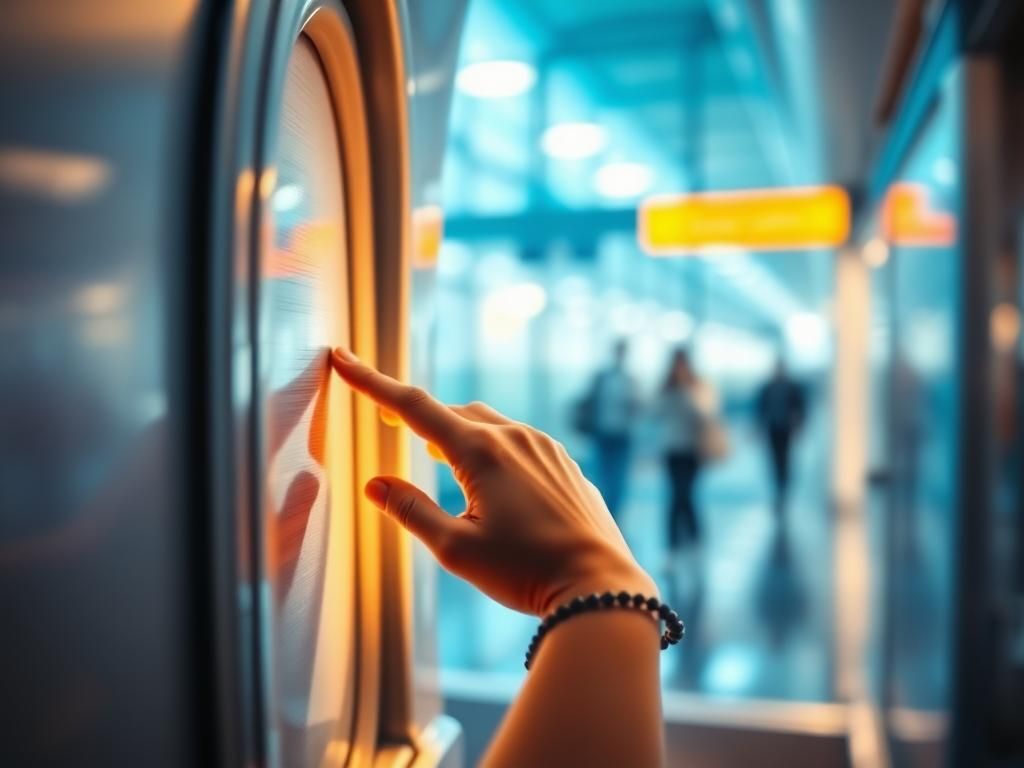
806 331
506 311
676 326
621 180
573 140
501 79
287 196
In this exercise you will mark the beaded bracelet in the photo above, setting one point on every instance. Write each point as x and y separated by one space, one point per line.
674 627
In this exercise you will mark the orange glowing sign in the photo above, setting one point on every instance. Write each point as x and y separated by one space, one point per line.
907 218
783 219
427 234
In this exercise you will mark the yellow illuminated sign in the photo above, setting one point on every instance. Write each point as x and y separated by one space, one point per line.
783 219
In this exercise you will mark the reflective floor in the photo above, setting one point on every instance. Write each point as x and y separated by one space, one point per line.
756 595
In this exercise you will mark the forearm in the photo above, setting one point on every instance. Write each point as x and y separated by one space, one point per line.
535 535
593 697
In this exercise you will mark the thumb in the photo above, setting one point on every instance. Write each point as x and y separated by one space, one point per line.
412 509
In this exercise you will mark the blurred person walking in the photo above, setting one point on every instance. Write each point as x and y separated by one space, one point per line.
606 414
781 407
685 409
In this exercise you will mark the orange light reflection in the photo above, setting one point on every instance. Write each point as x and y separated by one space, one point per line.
908 219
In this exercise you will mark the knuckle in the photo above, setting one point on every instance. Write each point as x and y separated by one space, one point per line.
414 396
405 507
520 434
543 437
368 377
477 405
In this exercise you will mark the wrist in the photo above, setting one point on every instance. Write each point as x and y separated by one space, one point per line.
608 577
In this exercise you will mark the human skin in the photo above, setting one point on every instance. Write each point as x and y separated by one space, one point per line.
534 535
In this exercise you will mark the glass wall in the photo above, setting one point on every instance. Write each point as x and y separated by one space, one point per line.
556 139
916 358
528 333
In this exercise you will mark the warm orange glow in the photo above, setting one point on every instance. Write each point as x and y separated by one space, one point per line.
390 418
435 453
427 234
908 220
61 176
309 244
1004 327
763 220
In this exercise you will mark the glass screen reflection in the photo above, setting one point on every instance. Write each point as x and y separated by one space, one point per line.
308 516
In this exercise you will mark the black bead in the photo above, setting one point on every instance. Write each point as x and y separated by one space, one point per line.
639 599
652 604
576 605
542 630
607 599
664 643
677 634
664 611
593 601
562 613
527 664
624 598
671 617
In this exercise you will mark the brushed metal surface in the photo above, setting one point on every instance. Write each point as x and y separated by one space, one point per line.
97 107
129 177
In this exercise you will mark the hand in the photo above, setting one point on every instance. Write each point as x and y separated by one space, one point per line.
535 532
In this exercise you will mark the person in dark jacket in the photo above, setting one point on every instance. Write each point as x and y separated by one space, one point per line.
781 407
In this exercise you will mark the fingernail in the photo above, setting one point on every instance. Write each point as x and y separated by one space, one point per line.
377 492
390 418
345 355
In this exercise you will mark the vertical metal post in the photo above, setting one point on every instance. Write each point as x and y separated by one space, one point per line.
981 228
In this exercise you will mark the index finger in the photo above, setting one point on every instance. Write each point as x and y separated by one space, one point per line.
428 418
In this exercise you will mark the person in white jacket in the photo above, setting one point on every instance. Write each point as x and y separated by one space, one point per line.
684 408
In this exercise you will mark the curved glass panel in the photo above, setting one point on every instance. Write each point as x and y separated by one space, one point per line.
308 496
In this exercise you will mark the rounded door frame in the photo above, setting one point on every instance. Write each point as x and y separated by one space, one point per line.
361 46
324 23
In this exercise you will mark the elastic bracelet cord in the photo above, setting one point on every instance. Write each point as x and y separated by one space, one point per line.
674 627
